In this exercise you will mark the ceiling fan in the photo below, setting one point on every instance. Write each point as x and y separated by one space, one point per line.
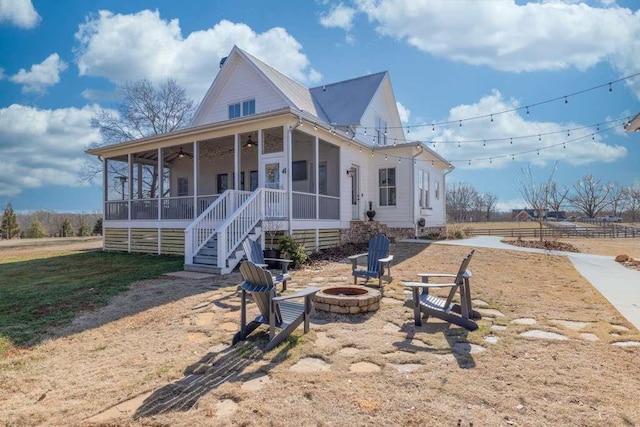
181 154
250 143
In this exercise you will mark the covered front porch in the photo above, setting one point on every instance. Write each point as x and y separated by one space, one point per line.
177 183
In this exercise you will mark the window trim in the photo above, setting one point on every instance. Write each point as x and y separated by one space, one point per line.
388 187
242 106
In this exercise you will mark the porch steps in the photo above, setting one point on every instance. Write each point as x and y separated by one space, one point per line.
206 260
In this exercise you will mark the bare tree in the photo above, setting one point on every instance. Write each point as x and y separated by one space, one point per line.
633 202
558 196
618 197
536 194
590 196
143 111
460 201
490 201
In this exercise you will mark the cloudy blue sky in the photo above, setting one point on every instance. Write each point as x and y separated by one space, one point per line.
452 63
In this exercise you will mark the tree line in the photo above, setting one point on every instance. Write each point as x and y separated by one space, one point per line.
40 224
589 197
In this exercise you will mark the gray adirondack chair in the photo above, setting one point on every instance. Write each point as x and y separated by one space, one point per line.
253 252
276 311
461 314
378 259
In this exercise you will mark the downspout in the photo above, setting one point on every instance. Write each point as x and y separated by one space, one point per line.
444 191
413 190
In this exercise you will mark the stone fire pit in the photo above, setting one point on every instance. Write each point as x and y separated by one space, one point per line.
347 299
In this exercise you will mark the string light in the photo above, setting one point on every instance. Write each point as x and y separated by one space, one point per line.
527 108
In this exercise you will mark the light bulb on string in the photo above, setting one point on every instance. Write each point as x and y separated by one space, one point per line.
490 160
610 88
563 145
513 157
458 144
527 110
365 131
492 118
460 123
538 152
469 162
433 127
539 138
566 100
593 137
484 142
511 141
385 157
568 133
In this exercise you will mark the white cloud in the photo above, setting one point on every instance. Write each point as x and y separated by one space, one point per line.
404 113
514 37
41 76
492 145
43 147
128 47
20 13
339 16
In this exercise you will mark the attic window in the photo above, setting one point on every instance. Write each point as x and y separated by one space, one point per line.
381 131
241 109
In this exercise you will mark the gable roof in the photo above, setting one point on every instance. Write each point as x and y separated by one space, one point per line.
296 93
344 103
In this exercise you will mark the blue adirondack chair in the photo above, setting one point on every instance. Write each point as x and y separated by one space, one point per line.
461 314
275 311
378 259
253 252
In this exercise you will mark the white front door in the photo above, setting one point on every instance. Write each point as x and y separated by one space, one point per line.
355 192
271 174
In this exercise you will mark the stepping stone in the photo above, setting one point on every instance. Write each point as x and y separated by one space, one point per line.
490 312
128 407
465 347
619 328
349 351
535 333
406 367
323 340
364 367
229 327
626 344
524 321
202 319
310 365
232 315
570 324
196 337
256 383
498 328
392 301
226 408
479 303
587 336
390 327
491 339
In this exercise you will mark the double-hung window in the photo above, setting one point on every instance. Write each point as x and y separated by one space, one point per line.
387 186
423 188
241 109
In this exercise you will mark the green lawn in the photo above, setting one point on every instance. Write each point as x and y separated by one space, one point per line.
37 294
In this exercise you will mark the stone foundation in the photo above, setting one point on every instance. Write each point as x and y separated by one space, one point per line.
362 231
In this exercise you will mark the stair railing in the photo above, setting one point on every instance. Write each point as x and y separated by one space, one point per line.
203 228
239 224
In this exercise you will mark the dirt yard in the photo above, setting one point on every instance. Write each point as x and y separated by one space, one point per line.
550 350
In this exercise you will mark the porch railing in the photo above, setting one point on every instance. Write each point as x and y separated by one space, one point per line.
198 233
116 210
144 209
304 205
177 208
329 207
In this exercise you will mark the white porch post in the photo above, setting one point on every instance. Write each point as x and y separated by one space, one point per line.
315 177
288 148
236 161
261 183
196 171
105 197
130 185
160 189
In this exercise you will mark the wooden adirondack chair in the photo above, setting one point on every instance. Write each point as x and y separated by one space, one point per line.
377 259
444 308
253 252
275 311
